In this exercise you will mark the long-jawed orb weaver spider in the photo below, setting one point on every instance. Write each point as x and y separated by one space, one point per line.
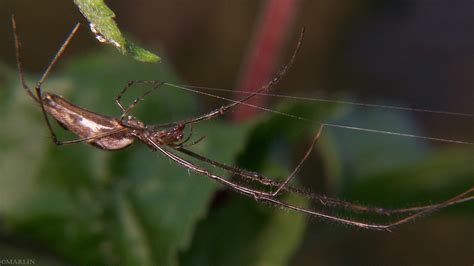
109 133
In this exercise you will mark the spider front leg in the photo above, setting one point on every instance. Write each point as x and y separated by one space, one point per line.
37 95
267 87
126 111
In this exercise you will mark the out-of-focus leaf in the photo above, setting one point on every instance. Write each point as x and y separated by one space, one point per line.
437 177
102 24
363 153
241 232
393 171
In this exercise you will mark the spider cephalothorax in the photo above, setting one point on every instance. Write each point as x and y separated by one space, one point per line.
168 136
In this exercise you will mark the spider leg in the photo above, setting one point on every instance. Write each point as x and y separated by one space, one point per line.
223 109
194 142
459 198
18 60
300 164
98 136
43 78
37 96
126 111
272 83
385 226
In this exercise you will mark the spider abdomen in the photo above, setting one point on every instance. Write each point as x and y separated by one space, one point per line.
87 124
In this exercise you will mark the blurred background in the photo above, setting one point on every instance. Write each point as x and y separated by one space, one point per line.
416 54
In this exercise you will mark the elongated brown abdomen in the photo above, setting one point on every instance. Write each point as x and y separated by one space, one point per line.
86 124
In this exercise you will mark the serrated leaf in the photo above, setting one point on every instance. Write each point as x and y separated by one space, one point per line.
102 24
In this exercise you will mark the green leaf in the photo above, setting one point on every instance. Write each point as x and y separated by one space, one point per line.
102 24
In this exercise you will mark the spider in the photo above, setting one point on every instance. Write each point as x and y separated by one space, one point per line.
110 133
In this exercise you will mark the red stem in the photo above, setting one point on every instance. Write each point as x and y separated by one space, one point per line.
269 37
